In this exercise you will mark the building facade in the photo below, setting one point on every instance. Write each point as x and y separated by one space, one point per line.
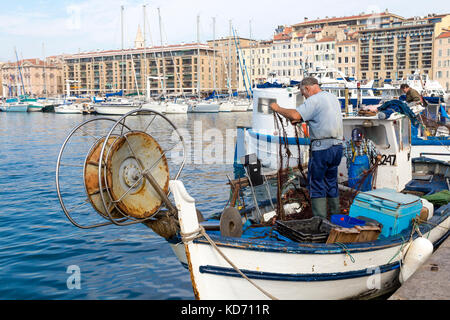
256 58
442 59
175 69
33 77
397 49
353 23
229 50
347 57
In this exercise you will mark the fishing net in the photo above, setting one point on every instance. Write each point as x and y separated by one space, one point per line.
290 178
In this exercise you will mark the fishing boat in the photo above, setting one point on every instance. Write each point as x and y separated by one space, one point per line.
235 254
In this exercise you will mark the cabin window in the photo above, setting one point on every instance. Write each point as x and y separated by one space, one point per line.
298 99
263 105
378 135
406 132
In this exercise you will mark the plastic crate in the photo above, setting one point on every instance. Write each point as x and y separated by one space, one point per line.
345 221
393 210
315 229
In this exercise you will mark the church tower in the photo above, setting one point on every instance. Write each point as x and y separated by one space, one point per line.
139 40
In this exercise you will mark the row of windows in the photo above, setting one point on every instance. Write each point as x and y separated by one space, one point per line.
439 74
346 59
346 49
443 63
440 52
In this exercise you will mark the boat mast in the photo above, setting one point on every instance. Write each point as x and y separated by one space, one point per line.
20 71
162 54
214 53
145 52
198 56
229 63
121 28
45 74
251 53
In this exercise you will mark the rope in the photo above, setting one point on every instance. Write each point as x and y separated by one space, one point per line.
186 237
346 250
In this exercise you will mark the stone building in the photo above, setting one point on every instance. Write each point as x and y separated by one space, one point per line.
442 59
34 77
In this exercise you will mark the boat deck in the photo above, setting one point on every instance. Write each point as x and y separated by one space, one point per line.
431 281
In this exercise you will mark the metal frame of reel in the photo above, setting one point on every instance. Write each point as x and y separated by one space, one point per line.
122 219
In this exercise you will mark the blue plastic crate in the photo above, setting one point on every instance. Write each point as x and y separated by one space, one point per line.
392 209
346 221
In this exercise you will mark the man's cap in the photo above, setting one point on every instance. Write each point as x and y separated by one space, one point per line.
357 134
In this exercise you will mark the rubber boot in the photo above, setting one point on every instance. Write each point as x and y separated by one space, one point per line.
319 207
333 206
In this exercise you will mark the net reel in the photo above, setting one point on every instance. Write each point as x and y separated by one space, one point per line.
125 172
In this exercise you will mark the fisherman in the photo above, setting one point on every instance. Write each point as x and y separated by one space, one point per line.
359 153
322 111
412 96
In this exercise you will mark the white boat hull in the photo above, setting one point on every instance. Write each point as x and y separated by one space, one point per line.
289 270
35 108
114 110
206 108
176 108
437 152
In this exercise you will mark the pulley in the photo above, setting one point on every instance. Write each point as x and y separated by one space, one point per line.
231 223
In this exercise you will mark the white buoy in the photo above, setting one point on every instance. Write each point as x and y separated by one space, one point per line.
418 252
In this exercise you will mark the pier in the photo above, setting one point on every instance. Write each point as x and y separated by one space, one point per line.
431 281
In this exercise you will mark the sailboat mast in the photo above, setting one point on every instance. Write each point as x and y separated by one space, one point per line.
162 53
214 53
251 53
20 71
198 56
45 74
229 62
145 51
121 30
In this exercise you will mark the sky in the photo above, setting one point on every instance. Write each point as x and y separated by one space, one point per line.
38 28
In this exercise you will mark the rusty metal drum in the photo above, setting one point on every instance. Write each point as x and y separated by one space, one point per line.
130 159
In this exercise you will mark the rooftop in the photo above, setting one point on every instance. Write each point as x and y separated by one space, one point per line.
336 19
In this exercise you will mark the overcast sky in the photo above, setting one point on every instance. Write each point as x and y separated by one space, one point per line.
38 27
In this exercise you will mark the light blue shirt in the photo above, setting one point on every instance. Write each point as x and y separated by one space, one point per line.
322 111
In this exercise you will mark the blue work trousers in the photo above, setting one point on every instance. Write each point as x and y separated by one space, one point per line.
323 171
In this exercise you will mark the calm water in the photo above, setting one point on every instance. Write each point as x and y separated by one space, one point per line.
38 243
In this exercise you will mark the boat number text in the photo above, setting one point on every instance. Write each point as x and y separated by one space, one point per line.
387 160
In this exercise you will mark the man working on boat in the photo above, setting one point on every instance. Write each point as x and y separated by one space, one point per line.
411 94
359 153
322 111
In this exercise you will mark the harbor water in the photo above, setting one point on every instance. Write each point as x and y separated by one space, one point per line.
40 248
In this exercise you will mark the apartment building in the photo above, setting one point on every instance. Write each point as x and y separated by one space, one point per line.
442 59
256 59
347 57
397 49
31 76
353 23
227 49
172 69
